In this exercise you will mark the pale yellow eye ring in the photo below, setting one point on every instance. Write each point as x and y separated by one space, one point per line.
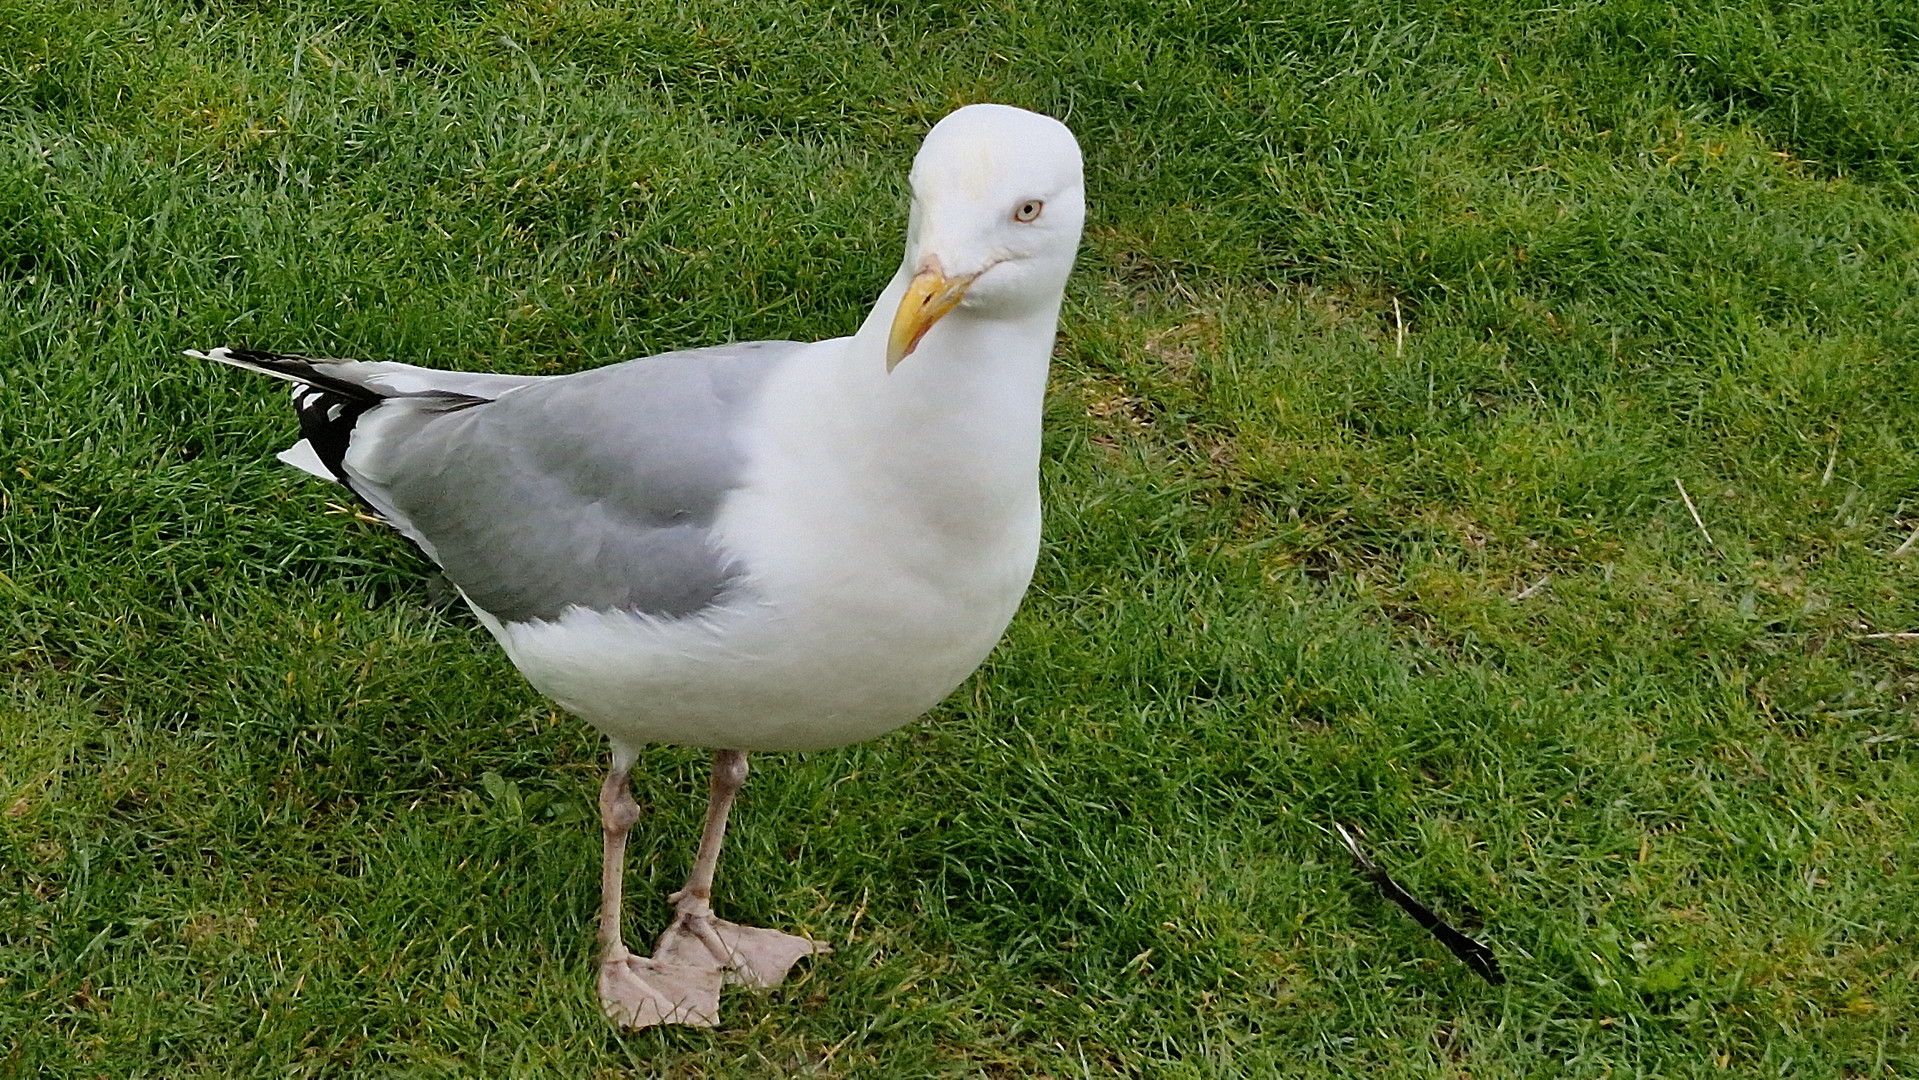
1028 210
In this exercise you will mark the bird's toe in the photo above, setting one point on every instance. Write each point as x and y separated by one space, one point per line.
640 991
749 955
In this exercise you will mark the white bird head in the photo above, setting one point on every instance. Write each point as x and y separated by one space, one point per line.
999 198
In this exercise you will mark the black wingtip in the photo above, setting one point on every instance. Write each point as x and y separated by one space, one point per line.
327 419
329 400
327 405
294 368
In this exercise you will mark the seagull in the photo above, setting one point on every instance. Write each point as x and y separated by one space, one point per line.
761 546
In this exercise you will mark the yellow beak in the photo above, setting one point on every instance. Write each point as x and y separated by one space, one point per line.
928 298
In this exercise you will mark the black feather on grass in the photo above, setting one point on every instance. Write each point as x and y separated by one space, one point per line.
1471 953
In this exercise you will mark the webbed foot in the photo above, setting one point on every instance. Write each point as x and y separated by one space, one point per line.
641 991
747 955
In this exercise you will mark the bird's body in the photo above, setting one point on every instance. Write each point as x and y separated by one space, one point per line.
766 546
850 594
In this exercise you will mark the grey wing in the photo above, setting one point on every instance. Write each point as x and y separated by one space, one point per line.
598 489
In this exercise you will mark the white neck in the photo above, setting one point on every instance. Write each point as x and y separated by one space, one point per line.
972 392
926 473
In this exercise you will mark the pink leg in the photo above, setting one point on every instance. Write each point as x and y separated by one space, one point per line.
729 776
748 954
618 812
636 991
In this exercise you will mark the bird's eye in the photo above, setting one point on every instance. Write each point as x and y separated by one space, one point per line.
1028 210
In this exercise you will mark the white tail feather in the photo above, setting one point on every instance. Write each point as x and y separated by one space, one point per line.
301 456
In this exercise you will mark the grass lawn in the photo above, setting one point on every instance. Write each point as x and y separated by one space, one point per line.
1404 335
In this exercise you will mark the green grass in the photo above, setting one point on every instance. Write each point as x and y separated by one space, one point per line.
1388 312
